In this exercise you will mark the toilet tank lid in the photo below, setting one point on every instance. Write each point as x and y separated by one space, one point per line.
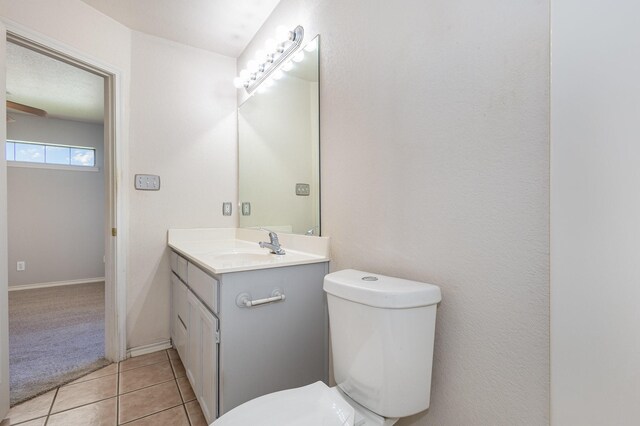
380 291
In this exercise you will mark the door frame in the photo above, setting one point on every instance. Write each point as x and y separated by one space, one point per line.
116 202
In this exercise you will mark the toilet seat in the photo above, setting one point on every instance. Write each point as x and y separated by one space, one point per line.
312 405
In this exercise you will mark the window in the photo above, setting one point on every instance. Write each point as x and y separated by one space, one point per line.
32 152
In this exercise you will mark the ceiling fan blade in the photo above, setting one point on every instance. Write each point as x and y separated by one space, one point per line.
26 108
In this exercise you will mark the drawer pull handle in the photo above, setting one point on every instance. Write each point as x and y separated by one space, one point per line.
182 322
244 299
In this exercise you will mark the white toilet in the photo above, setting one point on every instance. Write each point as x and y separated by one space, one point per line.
382 331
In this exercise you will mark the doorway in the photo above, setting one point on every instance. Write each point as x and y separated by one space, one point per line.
90 163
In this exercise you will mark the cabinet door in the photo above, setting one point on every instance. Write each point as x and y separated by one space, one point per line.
208 396
192 364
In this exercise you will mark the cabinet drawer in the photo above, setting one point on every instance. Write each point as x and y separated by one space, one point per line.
173 261
178 265
205 286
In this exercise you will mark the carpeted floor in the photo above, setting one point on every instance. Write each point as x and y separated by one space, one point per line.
56 335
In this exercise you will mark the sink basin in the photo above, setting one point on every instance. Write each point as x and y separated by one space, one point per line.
243 258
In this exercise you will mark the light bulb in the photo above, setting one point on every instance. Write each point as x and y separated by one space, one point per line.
271 45
278 74
282 34
252 66
298 57
245 74
260 55
238 82
287 66
268 83
261 89
310 47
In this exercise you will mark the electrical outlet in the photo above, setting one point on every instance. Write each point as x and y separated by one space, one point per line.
303 189
246 209
226 208
21 265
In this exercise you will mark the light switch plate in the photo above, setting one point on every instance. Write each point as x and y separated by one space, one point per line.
226 208
246 209
147 182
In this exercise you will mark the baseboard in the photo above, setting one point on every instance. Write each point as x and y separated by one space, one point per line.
55 284
147 349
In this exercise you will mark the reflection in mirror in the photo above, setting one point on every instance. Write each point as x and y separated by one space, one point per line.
278 139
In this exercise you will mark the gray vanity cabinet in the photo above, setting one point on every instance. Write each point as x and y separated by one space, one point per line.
233 352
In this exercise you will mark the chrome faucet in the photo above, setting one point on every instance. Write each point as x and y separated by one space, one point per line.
274 245
312 231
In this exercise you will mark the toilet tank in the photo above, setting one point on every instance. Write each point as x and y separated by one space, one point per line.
382 332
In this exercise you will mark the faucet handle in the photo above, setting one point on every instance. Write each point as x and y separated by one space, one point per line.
272 235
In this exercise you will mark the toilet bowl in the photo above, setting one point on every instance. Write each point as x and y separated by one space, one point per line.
312 405
382 332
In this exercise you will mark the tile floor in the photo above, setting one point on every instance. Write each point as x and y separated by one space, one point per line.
142 391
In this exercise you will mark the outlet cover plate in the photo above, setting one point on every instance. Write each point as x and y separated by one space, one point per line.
147 182
303 189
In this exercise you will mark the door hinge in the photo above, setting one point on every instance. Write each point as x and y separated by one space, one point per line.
114 232
218 336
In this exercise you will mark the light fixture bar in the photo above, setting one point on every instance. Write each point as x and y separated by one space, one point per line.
266 68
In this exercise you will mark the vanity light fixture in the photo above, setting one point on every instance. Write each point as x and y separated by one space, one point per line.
270 60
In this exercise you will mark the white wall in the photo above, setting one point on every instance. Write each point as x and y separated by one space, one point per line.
595 211
183 128
182 113
435 167
56 217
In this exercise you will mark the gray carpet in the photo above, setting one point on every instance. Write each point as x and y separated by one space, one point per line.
56 335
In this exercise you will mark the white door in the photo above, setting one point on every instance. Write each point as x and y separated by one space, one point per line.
4 292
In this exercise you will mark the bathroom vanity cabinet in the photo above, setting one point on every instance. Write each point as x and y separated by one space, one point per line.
234 352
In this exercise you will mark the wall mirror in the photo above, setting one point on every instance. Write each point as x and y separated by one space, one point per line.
279 149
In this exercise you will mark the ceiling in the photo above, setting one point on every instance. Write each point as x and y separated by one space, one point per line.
68 92
64 91
221 26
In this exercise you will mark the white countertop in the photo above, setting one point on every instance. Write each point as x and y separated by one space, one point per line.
223 250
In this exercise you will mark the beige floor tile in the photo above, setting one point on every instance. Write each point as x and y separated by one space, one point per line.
142 377
101 413
186 391
32 409
178 368
142 360
149 400
172 417
195 414
173 354
106 371
75 395
37 422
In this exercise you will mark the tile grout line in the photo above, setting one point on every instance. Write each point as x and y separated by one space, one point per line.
145 387
186 413
184 403
53 401
141 366
118 396
149 415
83 405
